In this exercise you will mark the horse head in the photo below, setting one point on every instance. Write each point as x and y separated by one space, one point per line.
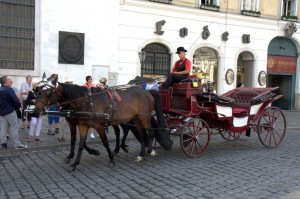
46 94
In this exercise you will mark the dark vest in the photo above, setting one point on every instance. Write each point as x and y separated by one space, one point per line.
180 67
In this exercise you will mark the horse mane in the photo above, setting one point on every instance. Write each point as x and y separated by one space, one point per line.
73 91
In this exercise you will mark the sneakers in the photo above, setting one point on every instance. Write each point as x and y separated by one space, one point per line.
57 130
92 135
4 146
50 132
21 146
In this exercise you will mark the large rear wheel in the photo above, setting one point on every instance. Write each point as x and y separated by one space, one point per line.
194 137
271 127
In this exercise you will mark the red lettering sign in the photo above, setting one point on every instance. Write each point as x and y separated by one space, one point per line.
281 64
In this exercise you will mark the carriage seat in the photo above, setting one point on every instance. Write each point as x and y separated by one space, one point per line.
218 99
243 99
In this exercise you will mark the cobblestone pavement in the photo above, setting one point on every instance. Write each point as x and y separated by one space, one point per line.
228 169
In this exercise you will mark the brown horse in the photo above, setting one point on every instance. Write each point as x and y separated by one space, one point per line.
96 109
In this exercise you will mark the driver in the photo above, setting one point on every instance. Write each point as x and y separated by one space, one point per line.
180 70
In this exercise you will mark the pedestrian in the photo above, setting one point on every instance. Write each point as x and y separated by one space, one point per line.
240 84
36 119
53 118
180 70
25 88
89 84
61 137
102 83
8 117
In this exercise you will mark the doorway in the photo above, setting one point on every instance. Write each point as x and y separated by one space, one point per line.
285 84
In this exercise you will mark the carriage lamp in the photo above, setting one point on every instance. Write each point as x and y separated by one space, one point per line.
142 56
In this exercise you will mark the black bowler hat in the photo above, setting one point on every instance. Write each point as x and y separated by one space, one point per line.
180 49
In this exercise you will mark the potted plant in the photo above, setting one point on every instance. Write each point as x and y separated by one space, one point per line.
251 13
289 18
212 7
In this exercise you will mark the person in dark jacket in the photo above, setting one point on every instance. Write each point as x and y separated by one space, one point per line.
180 70
36 119
8 116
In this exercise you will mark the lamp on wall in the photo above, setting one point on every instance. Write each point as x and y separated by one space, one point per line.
142 56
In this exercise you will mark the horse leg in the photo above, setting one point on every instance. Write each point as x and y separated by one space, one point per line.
117 133
83 129
141 136
125 129
90 150
102 135
72 127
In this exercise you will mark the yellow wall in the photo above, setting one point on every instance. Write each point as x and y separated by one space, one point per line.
270 11
233 6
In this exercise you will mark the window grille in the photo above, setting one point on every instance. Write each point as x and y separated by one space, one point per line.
158 60
17 34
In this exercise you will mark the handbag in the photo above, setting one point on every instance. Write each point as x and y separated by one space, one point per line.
19 113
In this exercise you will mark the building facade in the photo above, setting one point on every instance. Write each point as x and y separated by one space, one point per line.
228 42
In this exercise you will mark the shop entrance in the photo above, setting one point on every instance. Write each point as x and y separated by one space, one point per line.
284 82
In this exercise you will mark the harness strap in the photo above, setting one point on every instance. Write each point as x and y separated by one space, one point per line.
90 99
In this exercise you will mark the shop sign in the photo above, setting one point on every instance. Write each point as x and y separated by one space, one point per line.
281 64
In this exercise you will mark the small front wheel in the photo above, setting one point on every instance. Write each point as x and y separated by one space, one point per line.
194 138
230 136
271 127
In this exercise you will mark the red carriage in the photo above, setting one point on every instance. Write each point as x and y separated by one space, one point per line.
192 114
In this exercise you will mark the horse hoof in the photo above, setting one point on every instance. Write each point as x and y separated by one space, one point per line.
72 168
138 159
97 152
67 160
125 149
112 162
154 153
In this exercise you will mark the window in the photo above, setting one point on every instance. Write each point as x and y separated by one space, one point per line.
210 2
158 60
289 7
250 5
17 34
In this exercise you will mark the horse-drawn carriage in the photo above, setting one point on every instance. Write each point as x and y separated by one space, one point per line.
192 114
189 113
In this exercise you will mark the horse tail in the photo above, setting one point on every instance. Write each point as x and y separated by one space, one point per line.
158 109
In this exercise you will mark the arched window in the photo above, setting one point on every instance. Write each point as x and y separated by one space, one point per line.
158 60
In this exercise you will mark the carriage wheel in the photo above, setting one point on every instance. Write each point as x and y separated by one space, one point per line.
271 127
230 136
194 137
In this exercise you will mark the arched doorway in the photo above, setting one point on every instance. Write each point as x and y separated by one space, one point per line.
281 70
205 65
245 67
157 61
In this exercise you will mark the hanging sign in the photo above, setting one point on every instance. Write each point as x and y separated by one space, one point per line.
281 64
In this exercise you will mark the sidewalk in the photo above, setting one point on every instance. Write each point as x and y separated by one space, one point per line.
51 141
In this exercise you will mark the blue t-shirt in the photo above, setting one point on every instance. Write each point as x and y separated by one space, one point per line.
8 100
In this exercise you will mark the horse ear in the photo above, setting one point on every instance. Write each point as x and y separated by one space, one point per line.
44 76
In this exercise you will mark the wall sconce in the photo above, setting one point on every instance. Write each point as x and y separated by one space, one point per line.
142 56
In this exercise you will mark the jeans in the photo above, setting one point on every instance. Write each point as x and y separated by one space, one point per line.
9 121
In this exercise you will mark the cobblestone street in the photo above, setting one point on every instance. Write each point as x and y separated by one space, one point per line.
228 169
